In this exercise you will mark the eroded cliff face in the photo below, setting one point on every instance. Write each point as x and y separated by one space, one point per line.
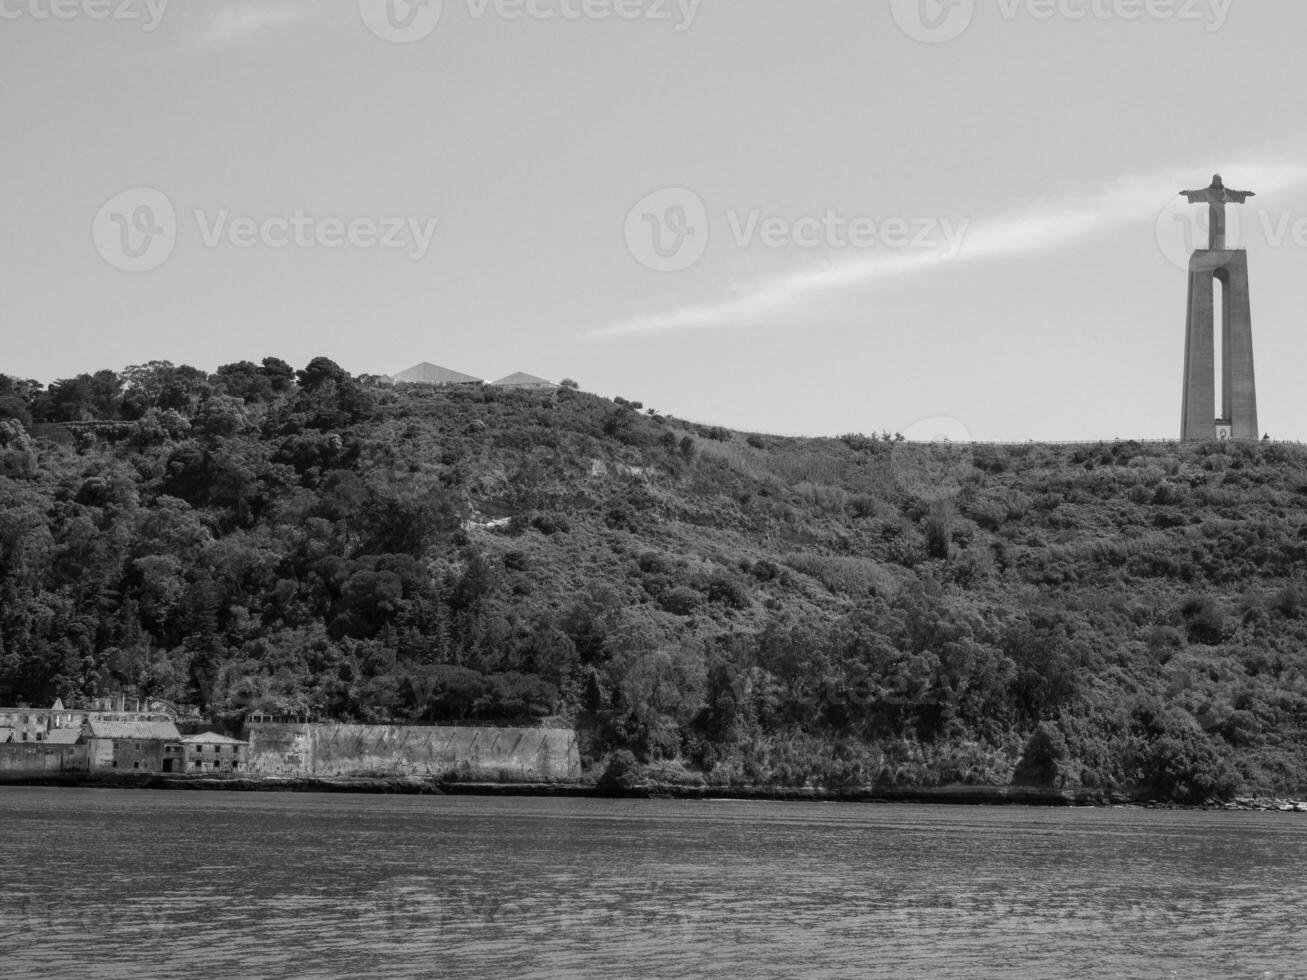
484 753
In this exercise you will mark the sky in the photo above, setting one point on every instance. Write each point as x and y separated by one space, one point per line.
790 216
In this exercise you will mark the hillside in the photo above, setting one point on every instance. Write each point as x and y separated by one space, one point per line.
727 607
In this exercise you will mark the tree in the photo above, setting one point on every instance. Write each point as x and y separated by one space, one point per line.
71 399
161 384
320 372
13 407
939 528
106 395
17 460
279 373
1045 759
245 380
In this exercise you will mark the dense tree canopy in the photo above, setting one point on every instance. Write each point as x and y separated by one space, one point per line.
719 605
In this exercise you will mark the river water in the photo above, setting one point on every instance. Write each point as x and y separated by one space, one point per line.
113 883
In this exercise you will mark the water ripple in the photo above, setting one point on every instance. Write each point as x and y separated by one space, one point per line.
145 885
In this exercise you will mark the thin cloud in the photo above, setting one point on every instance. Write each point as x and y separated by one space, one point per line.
254 23
1012 234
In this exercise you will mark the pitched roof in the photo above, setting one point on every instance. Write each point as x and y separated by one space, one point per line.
434 374
521 379
63 736
211 738
143 730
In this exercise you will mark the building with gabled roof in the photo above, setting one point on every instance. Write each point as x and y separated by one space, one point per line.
433 374
524 382
143 730
211 752
132 746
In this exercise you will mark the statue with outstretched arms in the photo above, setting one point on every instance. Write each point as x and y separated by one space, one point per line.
1216 198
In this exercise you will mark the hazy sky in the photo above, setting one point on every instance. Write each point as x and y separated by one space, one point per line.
798 216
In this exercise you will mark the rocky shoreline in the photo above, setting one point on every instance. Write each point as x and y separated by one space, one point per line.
1262 804
411 785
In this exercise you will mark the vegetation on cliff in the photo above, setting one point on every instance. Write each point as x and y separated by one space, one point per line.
724 607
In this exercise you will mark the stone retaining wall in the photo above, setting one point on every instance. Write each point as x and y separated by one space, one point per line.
281 749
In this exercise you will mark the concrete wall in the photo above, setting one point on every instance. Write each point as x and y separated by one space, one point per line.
338 750
38 757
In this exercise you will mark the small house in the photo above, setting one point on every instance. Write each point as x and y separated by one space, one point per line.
211 752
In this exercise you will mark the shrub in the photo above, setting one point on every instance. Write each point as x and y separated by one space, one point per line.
1289 602
939 529
863 505
726 591
622 774
852 576
551 523
654 563
1186 767
831 500
1205 619
621 517
681 600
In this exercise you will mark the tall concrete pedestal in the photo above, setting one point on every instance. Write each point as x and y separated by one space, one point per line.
1238 409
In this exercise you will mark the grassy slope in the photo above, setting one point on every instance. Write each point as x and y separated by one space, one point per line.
1160 581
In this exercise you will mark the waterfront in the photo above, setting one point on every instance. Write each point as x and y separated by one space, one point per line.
139 884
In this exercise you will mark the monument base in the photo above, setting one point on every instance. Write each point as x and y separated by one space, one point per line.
1236 416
